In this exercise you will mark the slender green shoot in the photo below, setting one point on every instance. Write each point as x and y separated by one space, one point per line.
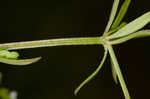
52 42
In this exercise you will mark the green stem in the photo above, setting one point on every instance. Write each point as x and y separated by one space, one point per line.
118 71
52 42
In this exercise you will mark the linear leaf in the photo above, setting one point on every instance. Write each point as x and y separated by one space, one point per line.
121 13
114 74
139 34
117 28
19 61
92 75
119 73
112 15
132 27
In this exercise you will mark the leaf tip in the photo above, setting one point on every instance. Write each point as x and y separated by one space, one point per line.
37 59
76 91
34 60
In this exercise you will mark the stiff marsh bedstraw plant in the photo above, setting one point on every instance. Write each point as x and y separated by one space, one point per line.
116 32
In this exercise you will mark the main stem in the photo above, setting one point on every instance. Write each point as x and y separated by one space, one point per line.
118 71
52 42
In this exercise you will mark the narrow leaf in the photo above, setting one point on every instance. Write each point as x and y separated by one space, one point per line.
116 29
119 73
121 14
132 27
139 34
92 75
19 61
114 74
112 15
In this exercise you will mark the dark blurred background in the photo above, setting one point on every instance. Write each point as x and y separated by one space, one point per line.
62 69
